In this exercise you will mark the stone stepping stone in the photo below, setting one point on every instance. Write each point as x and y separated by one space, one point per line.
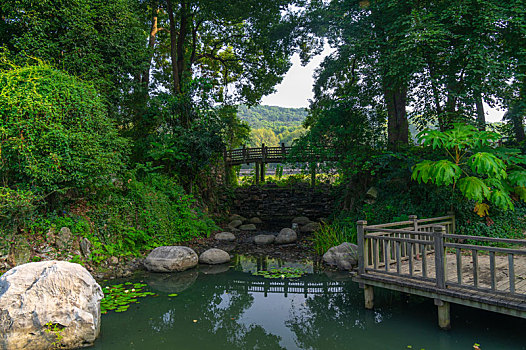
170 259
264 239
214 256
286 235
225 236
248 227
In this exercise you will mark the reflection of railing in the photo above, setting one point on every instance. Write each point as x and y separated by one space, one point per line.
286 287
426 257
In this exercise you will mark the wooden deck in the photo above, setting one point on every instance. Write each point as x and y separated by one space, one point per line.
426 258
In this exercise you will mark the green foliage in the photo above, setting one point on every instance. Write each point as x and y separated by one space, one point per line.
100 41
283 272
147 212
54 133
483 176
17 207
333 234
118 297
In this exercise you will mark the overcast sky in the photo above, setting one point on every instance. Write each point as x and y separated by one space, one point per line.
296 88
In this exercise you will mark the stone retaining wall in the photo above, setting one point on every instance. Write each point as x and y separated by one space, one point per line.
272 203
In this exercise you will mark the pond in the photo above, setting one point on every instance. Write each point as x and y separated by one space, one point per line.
229 308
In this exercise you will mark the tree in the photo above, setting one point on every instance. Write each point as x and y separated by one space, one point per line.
99 41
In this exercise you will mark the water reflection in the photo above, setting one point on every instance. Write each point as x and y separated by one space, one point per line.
229 308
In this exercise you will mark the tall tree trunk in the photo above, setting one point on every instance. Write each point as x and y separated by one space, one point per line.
481 117
173 48
515 115
151 44
397 125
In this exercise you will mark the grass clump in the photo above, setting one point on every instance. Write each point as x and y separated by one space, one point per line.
333 234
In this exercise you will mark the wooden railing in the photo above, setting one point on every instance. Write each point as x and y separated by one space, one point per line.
502 275
266 154
419 250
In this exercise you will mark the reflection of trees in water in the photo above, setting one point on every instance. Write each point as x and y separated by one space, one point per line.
217 314
328 321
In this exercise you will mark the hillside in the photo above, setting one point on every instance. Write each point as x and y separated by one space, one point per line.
273 125
271 116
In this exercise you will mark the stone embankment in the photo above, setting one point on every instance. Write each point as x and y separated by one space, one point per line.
271 203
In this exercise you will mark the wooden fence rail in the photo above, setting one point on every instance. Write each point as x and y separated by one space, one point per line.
426 257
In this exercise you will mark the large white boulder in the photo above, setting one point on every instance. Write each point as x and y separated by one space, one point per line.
171 258
49 304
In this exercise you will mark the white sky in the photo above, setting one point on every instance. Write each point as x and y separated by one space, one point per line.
296 88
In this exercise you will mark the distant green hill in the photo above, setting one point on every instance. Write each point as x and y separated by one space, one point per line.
271 116
273 125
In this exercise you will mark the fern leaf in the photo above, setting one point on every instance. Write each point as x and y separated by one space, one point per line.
501 199
517 178
473 188
487 164
445 172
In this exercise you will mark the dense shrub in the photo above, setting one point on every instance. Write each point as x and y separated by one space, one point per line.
54 133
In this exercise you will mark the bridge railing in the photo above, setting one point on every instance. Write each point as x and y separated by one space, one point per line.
265 154
418 250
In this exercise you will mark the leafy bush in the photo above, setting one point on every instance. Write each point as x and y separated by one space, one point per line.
54 133
142 214
480 172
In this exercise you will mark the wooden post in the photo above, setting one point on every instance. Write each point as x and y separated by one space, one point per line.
368 293
263 160
444 317
414 218
440 268
360 229
283 152
244 153
263 171
257 173
453 224
313 174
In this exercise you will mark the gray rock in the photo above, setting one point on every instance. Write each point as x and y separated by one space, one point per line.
85 247
237 217
40 295
301 220
248 227
63 238
372 193
225 236
344 256
286 235
214 256
310 227
264 239
235 223
255 220
171 258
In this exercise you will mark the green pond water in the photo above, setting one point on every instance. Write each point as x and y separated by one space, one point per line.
229 308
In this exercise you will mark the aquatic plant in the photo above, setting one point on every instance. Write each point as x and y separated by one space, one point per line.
119 296
284 272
